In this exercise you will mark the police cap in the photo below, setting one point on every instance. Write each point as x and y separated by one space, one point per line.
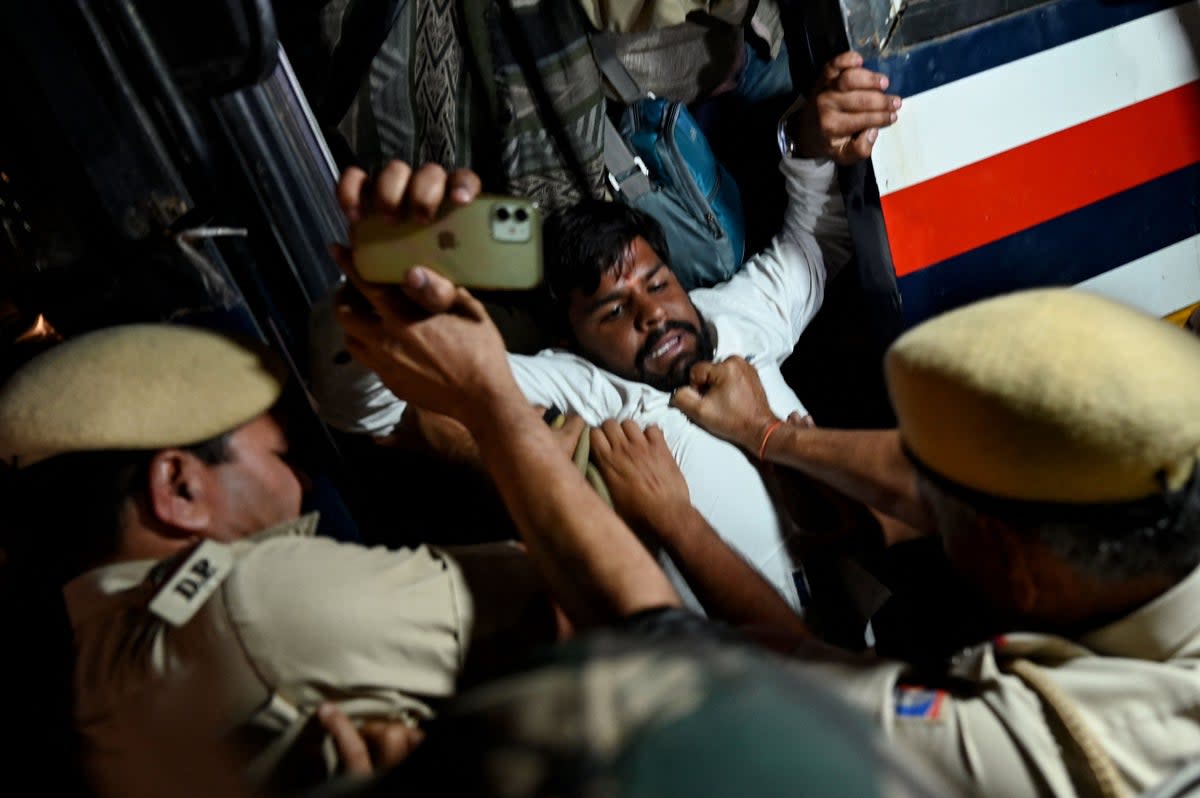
1050 395
140 386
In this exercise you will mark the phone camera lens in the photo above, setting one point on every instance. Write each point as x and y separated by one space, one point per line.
502 213
521 215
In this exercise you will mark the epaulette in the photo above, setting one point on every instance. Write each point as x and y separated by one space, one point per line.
187 585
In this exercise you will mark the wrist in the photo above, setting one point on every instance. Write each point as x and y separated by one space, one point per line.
673 524
791 128
491 406
751 434
767 432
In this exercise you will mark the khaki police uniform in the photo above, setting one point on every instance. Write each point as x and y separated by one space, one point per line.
1044 404
246 639
241 641
1135 682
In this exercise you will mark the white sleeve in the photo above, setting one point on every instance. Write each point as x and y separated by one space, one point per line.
816 210
558 379
779 290
349 396
352 398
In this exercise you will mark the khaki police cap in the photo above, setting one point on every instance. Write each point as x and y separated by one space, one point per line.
1050 395
141 386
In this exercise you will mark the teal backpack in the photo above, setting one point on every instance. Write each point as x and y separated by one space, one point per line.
659 161
682 185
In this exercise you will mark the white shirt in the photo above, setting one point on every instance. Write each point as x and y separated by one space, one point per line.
758 314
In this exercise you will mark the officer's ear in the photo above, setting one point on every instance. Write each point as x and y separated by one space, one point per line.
181 490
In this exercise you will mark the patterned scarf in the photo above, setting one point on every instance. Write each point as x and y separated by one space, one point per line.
437 65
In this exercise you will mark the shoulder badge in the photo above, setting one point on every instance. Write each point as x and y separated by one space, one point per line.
192 583
919 703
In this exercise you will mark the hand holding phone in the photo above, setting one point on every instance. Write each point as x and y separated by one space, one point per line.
492 243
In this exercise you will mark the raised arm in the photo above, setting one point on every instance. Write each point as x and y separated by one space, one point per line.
869 466
838 120
781 288
433 344
650 493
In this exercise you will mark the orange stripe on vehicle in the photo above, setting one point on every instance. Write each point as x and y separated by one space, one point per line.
1017 189
1179 318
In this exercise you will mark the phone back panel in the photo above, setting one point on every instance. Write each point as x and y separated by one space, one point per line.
493 243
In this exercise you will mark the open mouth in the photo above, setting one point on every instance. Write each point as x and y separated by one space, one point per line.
666 349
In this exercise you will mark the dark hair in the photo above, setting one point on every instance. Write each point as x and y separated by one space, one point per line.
591 238
65 512
1112 542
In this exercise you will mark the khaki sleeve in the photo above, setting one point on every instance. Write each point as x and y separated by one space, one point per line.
319 618
976 737
511 613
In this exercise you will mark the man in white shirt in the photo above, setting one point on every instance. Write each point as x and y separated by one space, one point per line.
634 333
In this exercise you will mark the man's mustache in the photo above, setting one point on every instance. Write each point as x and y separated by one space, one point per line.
655 337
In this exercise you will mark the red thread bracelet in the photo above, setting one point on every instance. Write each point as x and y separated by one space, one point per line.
762 448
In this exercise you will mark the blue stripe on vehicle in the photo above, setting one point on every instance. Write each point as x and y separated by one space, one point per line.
1065 250
927 65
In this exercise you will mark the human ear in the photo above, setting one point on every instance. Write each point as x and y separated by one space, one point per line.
180 490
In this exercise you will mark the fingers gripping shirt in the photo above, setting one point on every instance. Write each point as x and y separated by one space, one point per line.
766 307
759 313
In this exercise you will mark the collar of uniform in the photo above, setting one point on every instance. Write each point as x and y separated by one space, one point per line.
92 592
305 526
1166 627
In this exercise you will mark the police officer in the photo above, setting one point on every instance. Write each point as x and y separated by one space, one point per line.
1050 439
150 474
1051 435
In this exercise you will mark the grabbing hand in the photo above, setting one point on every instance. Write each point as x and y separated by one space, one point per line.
430 342
567 428
375 744
845 110
647 488
728 400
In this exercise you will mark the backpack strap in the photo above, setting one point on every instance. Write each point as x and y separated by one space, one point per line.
604 50
627 172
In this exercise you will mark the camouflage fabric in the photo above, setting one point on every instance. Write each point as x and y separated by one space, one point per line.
676 710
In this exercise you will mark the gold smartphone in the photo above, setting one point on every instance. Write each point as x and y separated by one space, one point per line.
493 243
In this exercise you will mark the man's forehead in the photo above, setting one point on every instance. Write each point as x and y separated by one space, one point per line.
639 255
639 262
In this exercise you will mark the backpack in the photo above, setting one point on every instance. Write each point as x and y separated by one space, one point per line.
660 162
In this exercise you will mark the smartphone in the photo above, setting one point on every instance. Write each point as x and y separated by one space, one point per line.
493 243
